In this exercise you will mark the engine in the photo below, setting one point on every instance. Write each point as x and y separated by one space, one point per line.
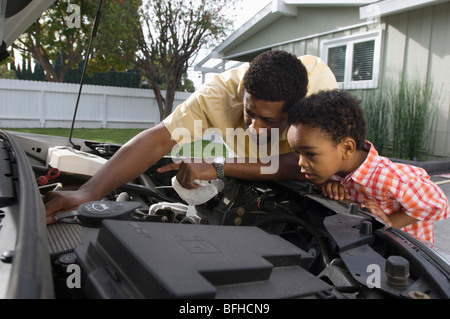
251 240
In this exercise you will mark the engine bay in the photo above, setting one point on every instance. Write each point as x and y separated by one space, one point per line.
259 240
252 240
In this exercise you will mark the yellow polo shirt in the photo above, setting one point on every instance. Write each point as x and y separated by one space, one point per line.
218 105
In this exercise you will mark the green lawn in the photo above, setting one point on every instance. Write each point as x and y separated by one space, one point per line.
121 136
102 135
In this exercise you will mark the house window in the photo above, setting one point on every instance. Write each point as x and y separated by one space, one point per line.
354 60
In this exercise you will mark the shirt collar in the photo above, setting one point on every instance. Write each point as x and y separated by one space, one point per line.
362 174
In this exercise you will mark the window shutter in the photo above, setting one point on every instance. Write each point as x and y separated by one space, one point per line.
336 61
363 54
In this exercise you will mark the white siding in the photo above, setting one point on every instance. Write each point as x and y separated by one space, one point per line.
415 46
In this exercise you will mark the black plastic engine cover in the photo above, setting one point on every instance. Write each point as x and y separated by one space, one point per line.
155 260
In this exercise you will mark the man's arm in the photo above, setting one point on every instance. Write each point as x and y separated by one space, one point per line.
129 162
283 167
133 158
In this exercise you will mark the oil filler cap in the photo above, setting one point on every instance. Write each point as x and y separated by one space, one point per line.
92 213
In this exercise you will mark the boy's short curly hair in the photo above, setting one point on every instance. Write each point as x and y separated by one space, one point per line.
336 113
277 76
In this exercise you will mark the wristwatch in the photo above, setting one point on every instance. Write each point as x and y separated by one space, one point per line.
218 164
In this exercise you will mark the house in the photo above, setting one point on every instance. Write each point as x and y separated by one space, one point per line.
365 43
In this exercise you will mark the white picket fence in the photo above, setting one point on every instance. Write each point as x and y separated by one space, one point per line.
26 104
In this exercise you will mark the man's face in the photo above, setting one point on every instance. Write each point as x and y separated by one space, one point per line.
262 114
319 157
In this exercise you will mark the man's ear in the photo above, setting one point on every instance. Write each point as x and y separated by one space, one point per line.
348 147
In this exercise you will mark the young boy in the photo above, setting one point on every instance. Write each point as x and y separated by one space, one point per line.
328 131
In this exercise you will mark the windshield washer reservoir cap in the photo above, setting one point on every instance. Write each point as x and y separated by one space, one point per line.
92 213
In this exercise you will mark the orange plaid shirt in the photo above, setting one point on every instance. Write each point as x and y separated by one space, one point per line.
397 186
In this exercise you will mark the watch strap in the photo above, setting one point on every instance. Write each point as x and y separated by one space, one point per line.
219 169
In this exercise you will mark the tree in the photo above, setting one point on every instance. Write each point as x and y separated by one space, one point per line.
6 73
115 42
26 72
170 36
128 78
64 30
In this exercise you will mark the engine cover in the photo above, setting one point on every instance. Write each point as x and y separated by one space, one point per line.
132 259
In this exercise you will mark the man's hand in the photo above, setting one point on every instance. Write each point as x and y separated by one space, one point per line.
189 172
63 201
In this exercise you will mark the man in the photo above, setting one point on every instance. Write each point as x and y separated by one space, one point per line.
255 98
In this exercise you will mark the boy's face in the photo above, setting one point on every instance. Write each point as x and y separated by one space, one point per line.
319 156
262 114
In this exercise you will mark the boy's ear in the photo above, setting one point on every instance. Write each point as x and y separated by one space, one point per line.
348 146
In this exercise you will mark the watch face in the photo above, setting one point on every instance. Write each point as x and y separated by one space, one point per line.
219 160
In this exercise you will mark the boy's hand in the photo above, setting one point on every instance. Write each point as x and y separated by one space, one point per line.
373 207
335 190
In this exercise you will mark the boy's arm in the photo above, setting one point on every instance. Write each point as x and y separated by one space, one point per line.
334 190
398 219
422 199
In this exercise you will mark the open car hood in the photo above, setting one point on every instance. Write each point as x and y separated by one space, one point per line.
15 17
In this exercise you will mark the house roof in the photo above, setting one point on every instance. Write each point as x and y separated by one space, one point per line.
387 7
218 60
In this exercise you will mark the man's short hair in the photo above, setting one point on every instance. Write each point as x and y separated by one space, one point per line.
277 76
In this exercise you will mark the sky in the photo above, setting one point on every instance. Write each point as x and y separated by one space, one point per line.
245 10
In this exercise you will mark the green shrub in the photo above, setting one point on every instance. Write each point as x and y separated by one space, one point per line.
400 118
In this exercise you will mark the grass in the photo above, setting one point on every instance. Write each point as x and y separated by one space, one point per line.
413 114
400 118
121 136
377 111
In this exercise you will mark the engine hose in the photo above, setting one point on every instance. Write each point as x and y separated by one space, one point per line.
307 226
143 190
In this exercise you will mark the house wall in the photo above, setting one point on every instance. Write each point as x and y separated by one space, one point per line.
308 21
416 46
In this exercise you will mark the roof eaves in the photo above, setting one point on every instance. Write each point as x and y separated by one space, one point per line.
260 20
324 3
387 7
271 12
